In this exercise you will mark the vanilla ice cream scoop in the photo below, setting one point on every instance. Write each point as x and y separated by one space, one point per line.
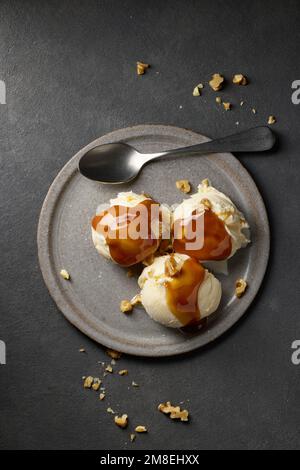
130 228
208 226
177 291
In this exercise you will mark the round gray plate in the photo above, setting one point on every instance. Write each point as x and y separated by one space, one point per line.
91 299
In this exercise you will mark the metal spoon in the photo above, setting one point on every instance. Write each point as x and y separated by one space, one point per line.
119 162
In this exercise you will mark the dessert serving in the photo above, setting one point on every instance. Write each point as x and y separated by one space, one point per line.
176 290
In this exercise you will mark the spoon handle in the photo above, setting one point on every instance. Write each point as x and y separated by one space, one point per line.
257 139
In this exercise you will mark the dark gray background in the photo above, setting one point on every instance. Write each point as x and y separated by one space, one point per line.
69 68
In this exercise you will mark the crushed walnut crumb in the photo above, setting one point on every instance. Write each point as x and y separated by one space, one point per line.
141 67
109 369
132 437
197 90
141 429
125 306
121 421
216 83
253 110
101 396
88 382
134 384
65 275
227 106
123 372
239 79
218 100
171 266
174 412
183 186
96 384
81 350
240 287
113 354
271 120
110 410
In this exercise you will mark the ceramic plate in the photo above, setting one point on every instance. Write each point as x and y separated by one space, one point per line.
90 301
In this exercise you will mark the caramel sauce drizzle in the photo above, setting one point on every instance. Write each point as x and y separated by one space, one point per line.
182 292
217 241
127 251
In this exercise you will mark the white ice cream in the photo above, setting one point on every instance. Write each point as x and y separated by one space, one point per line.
127 199
153 291
223 207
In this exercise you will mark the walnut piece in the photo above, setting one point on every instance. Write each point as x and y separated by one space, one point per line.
88 382
141 429
81 350
171 266
141 67
173 411
239 79
96 384
123 372
218 100
240 287
137 299
134 384
271 120
101 396
113 354
121 421
65 275
227 106
125 306
197 90
216 83
109 369
183 186
132 437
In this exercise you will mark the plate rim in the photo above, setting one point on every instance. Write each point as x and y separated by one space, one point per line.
43 243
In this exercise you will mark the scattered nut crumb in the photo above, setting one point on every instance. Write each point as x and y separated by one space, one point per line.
121 421
113 354
183 186
110 410
65 275
241 103
137 299
141 67
101 396
205 182
132 437
134 384
171 266
123 372
174 411
125 306
141 429
216 82
253 110
271 120
81 350
88 381
240 287
239 79
218 100
96 384
197 90
227 106
109 369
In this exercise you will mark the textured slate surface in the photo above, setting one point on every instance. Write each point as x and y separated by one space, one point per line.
69 69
